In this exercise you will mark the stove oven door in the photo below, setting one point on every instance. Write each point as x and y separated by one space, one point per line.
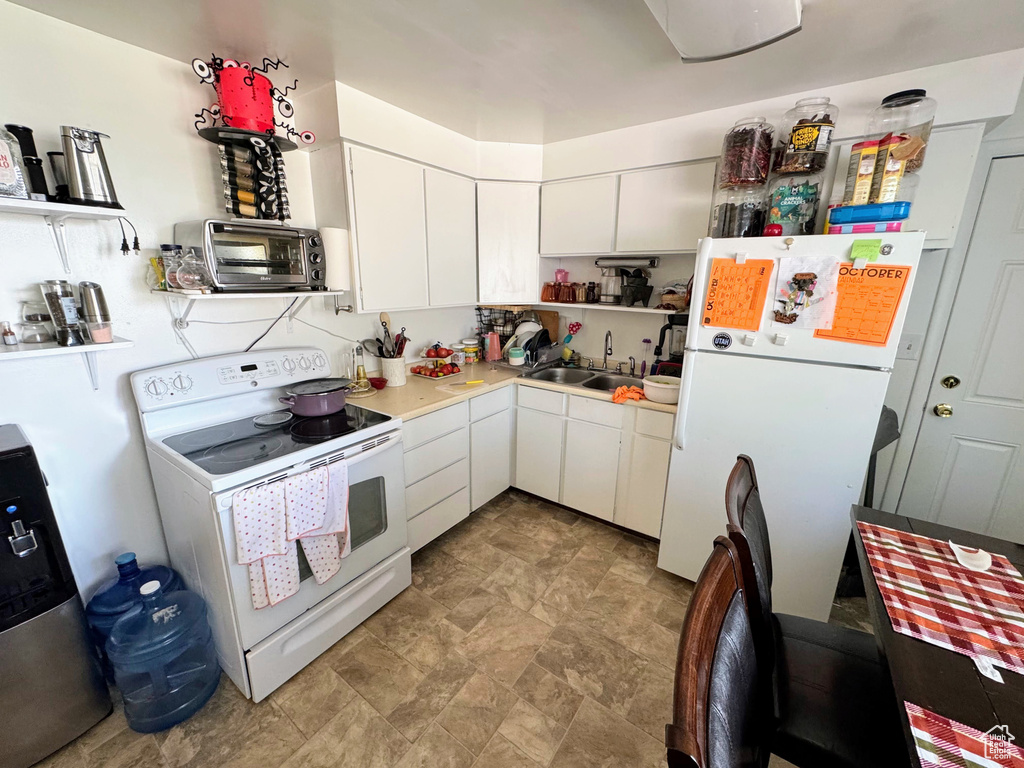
377 519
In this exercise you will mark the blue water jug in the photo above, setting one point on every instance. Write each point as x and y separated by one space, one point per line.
116 597
164 659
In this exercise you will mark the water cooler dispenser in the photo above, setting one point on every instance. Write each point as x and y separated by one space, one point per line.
51 687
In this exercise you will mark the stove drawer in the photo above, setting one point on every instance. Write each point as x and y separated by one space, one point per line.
439 486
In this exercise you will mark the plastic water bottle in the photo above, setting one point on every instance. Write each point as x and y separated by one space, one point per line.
118 596
164 659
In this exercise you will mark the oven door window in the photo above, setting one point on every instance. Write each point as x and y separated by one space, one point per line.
367 515
255 257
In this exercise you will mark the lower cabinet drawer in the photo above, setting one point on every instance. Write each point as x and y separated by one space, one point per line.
440 485
654 423
541 399
436 455
423 429
595 411
482 406
431 523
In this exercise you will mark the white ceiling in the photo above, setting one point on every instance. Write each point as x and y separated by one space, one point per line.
538 71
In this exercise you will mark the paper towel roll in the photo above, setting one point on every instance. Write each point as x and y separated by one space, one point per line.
337 264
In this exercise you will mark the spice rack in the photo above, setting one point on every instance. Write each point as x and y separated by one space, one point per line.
52 349
55 214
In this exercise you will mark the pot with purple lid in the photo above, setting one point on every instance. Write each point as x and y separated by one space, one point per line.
319 397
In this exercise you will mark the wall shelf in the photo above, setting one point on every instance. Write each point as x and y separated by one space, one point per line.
55 214
608 307
52 349
180 316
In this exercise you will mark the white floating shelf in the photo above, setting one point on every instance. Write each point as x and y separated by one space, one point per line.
55 214
608 307
180 318
52 348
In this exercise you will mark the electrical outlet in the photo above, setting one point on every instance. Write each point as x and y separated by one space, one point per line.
910 346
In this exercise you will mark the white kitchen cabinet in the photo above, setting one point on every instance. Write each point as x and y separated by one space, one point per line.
490 445
508 256
665 209
642 504
591 468
539 453
578 216
451 238
389 232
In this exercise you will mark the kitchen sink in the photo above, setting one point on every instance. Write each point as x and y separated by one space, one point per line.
562 375
611 381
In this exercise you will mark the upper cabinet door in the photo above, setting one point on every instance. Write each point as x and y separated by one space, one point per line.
390 231
578 216
508 224
451 238
665 209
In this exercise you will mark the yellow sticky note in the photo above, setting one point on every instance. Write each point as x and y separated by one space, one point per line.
865 249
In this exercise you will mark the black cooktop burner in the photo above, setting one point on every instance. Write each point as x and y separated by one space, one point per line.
236 445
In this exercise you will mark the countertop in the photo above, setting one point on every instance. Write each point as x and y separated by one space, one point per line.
421 396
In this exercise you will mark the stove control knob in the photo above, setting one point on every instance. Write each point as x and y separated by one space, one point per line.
318 274
156 387
304 363
315 257
288 364
181 382
319 361
315 241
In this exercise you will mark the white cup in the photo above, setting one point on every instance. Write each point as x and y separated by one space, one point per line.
393 369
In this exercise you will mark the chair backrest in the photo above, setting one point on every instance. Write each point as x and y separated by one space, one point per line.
718 715
744 512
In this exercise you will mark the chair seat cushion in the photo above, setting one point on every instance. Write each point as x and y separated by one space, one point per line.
836 706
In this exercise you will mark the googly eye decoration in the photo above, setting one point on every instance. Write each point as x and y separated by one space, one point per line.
203 71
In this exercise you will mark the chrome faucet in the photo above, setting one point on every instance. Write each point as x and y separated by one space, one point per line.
607 348
632 366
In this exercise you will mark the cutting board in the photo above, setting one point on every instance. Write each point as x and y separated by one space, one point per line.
549 320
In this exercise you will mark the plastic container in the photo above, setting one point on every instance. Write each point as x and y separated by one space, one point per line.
164 659
472 350
793 205
458 354
740 212
746 153
662 389
855 214
805 136
864 228
908 113
118 596
516 356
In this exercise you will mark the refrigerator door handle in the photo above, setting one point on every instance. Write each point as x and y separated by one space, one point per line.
689 360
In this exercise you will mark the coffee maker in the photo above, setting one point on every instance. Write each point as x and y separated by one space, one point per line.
668 354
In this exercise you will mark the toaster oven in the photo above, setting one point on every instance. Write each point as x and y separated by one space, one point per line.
254 255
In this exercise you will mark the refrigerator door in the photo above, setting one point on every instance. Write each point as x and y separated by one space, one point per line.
809 429
784 341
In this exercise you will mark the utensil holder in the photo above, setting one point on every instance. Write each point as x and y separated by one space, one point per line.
393 369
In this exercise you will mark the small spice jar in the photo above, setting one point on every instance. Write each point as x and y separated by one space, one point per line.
458 354
471 350
746 153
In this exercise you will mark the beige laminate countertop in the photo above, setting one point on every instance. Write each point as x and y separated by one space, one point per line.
421 396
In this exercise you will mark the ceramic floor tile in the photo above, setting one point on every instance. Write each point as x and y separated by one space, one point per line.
357 737
519 545
70 756
437 749
378 674
671 614
660 645
313 696
128 751
110 726
430 648
552 696
504 642
425 702
598 737
343 646
593 664
517 582
547 614
501 753
651 707
476 712
474 550
446 579
401 622
468 613
535 734
670 585
596 534
572 588
621 609
559 556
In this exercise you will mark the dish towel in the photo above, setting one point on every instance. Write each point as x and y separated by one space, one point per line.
261 543
622 394
305 502
321 546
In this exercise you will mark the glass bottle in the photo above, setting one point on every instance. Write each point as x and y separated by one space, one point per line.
12 167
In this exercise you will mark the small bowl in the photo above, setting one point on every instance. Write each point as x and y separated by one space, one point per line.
662 389
378 383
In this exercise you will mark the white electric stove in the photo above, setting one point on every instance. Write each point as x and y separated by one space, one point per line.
213 427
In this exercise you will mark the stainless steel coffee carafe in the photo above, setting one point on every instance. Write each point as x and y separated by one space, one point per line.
611 285
87 173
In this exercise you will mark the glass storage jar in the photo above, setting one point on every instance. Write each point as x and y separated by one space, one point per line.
907 112
805 136
746 153
740 211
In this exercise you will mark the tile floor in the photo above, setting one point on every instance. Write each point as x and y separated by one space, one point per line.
531 636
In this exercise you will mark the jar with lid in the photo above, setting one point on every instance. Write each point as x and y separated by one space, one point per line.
593 294
793 205
170 257
12 168
746 153
60 299
805 136
549 292
472 350
908 113
740 211
192 272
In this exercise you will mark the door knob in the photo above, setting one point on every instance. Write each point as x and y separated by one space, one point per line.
943 410
950 382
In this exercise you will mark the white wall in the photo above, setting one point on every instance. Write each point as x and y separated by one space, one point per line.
89 442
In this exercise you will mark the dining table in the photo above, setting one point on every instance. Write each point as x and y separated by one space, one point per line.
926 676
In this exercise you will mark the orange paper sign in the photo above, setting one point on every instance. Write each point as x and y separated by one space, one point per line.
736 293
867 303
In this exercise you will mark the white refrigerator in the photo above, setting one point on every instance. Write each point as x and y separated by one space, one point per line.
801 403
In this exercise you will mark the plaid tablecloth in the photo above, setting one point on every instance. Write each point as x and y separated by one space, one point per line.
930 596
948 744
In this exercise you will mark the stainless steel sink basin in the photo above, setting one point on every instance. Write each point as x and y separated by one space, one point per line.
611 382
562 375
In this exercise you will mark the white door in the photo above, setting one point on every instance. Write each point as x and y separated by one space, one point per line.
538 453
508 224
591 468
665 209
967 470
490 457
648 476
451 238
578 216
390 230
